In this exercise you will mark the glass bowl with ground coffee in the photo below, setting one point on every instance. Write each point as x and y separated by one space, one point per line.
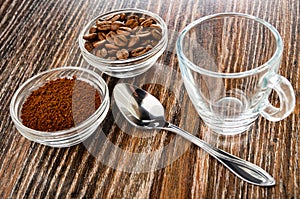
124 43
60 107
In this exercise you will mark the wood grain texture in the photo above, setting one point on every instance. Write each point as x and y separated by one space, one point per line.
39 35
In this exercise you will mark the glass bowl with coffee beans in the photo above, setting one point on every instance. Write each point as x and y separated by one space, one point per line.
124 43
60 107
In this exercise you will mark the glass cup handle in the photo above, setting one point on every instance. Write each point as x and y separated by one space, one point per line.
286 95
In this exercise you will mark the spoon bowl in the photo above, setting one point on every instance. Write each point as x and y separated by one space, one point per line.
143 110
140 108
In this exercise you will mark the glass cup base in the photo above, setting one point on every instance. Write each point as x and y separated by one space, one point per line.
229 127
229 131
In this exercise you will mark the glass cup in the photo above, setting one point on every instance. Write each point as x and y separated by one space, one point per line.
229 63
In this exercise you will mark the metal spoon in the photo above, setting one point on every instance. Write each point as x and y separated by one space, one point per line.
143 110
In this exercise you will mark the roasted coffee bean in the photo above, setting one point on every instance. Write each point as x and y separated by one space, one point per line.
135 17
111 47
143 34
138 51
138 29
99 44
153 42
141 20
144 42
103 52
122 16
112 52
110 37
113 18
133 41
103 25
97 53
131 23
116 25
120 40
156 34
111 34
101 36
88 46
122 54
90 36
93 29
124 31
148 47
156 26
147 23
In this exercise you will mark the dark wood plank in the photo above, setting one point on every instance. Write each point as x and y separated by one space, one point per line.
39 35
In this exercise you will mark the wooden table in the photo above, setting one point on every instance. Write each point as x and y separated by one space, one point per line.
127 162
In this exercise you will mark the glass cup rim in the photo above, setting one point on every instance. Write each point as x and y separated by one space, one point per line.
154 50
92 117
268 64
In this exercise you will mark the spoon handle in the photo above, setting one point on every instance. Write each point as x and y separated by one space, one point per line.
245 170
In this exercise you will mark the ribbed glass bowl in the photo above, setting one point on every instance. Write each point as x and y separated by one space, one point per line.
68 137
129 67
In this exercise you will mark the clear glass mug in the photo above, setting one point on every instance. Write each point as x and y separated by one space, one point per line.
229 63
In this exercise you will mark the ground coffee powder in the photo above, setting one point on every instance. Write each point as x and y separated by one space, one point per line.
60 104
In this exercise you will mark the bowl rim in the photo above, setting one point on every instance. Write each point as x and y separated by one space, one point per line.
154 50
93 117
